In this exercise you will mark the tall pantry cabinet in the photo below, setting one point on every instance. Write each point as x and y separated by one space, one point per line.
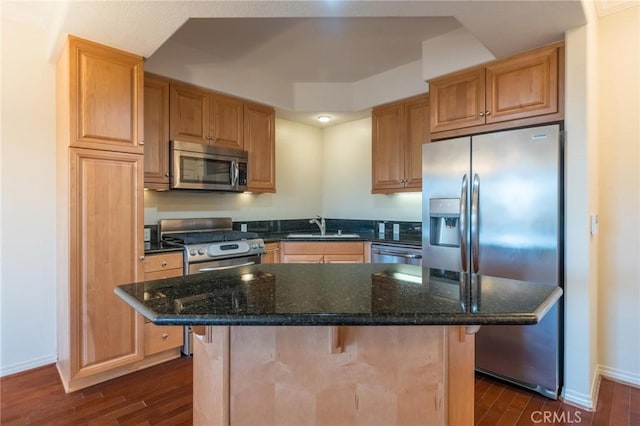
99 104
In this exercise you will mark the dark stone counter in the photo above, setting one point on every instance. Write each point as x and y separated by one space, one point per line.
339 294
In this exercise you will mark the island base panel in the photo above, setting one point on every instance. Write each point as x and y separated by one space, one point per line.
382 375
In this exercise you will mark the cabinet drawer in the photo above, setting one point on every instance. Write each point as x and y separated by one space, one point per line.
165 273
161 262
159 338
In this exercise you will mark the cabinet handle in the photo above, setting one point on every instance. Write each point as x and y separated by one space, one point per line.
214 138
165 336
141 142
487 112
164 263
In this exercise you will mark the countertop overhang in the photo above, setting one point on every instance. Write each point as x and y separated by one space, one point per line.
339 294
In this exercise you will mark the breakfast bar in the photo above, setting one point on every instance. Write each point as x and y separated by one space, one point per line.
336 344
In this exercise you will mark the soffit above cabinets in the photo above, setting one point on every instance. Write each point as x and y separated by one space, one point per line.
303 57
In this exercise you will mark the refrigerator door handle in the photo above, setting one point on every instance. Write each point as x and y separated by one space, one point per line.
462 222
475 223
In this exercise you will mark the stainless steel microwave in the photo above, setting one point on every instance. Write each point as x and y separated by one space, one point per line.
205 167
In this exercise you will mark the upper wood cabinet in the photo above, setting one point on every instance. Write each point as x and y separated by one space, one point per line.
399 130
202 116
520 90
259 142
105 97
156 132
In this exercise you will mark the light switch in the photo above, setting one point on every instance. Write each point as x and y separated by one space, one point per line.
396 228
243 227
594 224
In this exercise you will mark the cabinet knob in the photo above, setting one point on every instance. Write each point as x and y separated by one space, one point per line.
487 112
481 114
166 175
165 336
164 263
141 257
141 142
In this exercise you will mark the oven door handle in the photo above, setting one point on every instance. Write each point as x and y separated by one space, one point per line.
220 268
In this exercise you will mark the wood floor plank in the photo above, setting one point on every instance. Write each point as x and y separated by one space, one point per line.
162 396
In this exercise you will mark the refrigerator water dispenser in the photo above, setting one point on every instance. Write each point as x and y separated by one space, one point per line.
444 214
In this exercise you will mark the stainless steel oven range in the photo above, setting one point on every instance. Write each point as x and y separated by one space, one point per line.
210 244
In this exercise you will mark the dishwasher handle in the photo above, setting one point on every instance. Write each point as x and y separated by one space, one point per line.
398 254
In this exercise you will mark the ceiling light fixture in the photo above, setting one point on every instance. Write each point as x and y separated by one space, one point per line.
325 118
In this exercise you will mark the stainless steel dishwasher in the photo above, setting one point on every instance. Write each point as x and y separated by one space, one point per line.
392 253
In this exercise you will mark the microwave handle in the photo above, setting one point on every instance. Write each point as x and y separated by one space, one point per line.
235 173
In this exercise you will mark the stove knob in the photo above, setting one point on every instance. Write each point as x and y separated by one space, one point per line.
192 253
261 245
201 252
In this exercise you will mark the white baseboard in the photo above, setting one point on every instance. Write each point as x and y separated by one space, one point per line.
620 376
28 365
579 399
588 401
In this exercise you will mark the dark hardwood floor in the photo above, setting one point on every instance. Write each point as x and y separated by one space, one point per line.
161 395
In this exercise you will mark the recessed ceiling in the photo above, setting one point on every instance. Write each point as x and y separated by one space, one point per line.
319 50
307 56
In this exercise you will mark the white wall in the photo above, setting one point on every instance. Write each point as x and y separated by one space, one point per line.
27 265
347 179
581 314
619 154
299 170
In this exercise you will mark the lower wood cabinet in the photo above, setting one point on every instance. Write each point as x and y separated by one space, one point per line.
163 338
160 338
322 252
271 253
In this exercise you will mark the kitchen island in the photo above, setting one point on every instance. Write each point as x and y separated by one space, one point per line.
336 344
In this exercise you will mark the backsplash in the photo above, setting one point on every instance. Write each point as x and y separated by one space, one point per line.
366 227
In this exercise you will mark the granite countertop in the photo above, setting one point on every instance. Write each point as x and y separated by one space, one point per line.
338 294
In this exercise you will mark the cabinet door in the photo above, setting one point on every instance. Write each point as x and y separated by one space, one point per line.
457 100
523 86
189 108
259 141
156 133
106 94
387 147
344 258
106 223
226 121
417 133
271 253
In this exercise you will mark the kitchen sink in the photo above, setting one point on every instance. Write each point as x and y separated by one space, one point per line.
319 236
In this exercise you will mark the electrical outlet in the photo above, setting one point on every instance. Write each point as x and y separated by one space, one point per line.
396 228
243 227
381 227
147 234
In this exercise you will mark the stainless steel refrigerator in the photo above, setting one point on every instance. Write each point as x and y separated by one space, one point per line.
492 205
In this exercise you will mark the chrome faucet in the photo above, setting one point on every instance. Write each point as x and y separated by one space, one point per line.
320 223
